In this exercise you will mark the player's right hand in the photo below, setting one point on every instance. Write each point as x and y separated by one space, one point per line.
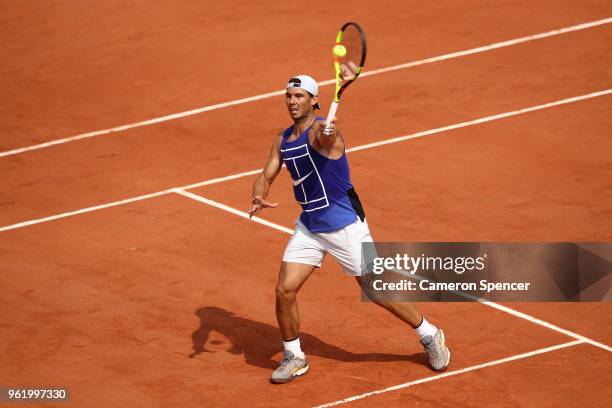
258 203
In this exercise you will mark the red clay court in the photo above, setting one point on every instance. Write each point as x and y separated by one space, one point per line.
131 134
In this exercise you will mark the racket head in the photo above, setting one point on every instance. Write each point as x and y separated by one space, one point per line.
349 66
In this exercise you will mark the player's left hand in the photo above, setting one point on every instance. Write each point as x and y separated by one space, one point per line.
258 204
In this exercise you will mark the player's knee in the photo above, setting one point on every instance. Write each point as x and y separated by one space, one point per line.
284 294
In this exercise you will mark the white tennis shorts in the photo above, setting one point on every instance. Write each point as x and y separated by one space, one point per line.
344 245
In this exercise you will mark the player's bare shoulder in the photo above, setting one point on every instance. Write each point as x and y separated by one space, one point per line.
275 161
275 150
278 140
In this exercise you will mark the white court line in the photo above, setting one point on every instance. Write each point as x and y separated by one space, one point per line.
516 313
84 210
489 47
546 324
267 95
232 210
481 120
219 180
353 149
452 373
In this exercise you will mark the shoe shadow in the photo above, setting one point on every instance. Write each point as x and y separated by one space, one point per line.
259 342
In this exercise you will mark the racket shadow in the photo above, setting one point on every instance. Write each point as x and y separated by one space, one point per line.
259 342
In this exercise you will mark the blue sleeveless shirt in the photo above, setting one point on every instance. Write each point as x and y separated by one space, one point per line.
322 186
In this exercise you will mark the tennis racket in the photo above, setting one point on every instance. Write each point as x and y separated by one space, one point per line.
348 67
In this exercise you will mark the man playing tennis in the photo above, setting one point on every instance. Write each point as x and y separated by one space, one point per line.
332 220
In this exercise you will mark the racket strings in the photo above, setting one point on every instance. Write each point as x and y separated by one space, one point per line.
350 63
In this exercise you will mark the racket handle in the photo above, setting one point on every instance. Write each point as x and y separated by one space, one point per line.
332 113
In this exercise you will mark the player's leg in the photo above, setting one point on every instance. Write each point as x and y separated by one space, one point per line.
302 255
291 277
346 247
405 311
430 336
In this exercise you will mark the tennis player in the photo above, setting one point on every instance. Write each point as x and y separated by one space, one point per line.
332 221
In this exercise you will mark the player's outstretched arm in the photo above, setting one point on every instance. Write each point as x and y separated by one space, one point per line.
261 185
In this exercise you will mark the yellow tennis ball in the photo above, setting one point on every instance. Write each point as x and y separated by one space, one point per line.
339 50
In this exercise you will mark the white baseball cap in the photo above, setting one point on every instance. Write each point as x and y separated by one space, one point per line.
307 83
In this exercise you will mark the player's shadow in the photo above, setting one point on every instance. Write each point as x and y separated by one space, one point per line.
259 342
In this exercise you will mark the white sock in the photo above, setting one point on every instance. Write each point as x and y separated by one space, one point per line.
426 329
294 347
